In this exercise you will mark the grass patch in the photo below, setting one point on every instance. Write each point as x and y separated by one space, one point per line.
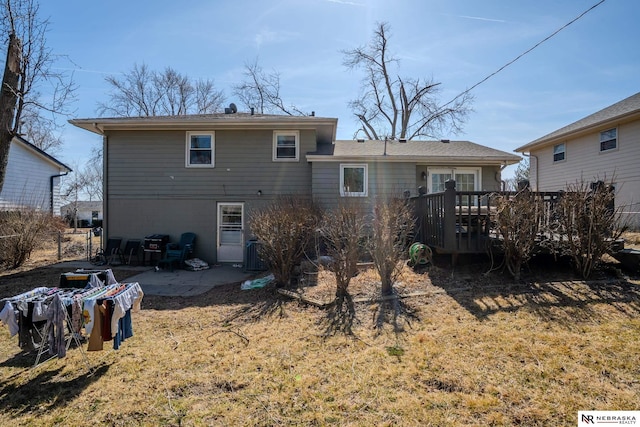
476 350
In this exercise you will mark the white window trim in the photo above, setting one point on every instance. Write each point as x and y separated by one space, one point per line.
187 156
364 193
564 151
600 142
453 171
277 133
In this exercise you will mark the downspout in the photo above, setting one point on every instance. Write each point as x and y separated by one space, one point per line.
51 188
534 185
503 183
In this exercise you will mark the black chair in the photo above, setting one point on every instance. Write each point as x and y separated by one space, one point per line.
132 249
112 253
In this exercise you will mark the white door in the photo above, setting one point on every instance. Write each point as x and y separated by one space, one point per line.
230 232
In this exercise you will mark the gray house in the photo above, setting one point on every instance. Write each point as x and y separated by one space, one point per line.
32 178
207 173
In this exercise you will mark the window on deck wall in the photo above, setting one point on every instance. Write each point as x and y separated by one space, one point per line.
353 180
466 180
200 149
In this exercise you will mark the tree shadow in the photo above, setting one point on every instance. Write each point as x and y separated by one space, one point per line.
341 316
46 391
549 289
394 311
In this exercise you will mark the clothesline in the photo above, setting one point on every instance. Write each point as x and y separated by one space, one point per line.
47 319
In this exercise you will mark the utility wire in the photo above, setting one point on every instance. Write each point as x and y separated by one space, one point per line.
524 53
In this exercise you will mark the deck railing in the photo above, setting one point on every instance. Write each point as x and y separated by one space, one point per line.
455 222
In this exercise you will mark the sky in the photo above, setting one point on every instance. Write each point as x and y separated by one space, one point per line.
591 64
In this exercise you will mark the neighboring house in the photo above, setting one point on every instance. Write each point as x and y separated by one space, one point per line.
207 173
603 146
32 178
88 212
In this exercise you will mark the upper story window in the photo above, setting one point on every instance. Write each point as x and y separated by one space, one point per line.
286 145
200 149
558 152
609 139
353 180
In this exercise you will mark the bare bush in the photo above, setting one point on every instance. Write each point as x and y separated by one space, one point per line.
590 224
285 229
391 226
518 220
21 232
343 231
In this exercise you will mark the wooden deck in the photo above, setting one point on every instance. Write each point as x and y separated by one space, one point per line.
462 222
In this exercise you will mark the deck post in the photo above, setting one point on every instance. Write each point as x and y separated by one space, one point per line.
450 216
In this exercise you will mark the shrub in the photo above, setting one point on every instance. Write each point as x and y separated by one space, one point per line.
342 230
517 221
23 231
589 223
285 229
391 227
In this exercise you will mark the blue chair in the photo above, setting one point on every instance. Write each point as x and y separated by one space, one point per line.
176 253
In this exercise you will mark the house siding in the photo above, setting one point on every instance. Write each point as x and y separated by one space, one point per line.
148 179
585 162
27 181
384 179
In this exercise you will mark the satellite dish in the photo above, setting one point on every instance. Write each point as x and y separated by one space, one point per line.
233 108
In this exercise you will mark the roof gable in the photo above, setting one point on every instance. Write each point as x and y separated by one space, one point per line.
40 153
627 108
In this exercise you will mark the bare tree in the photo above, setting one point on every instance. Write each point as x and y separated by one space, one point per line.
391 106
33 92
144 92
261 90
521 174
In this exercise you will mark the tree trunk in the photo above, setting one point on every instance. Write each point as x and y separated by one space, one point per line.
8 101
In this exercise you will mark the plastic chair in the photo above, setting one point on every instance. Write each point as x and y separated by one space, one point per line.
176 253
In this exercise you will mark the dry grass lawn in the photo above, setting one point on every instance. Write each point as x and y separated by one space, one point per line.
467 348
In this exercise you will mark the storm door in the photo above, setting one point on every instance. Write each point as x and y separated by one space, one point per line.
230 232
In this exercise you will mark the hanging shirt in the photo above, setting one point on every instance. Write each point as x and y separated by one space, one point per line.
8 316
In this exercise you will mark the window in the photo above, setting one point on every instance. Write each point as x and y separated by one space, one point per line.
353 180
200 149
609 139
466 179
286 145
558 152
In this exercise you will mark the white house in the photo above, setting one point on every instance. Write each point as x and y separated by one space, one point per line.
88 212
603 146
32 178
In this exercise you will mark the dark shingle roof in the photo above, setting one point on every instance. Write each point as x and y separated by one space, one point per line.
414 151
628 106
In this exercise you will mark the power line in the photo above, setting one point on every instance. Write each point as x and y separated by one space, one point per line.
524 53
